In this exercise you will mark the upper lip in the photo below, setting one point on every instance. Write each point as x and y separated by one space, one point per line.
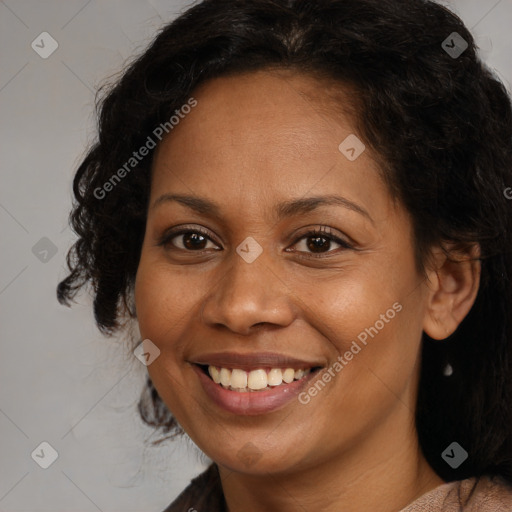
253 361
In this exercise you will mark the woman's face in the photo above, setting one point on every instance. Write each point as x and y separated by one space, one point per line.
249 287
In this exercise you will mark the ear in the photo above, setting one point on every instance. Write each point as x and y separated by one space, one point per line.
453 279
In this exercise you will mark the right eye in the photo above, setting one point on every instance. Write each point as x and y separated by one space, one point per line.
186 239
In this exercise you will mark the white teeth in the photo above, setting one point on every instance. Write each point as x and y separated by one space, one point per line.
225 377
242 381
214 374
275 377
257 379
239 379
289 375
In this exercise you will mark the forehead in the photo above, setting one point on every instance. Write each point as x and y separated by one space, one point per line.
271 102
264 133
252 109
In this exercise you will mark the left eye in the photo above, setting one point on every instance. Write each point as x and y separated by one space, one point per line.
319 242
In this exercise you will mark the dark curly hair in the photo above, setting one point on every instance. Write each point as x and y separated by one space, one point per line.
441 125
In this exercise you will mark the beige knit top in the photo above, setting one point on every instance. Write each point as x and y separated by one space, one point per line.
484 494
472 495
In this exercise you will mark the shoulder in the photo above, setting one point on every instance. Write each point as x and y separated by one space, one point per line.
491 494
203 493
478 494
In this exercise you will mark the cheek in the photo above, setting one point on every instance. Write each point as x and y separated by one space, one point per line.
372 318
359 299
164 304
373 370
165 298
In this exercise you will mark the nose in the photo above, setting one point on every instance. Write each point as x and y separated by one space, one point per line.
247 296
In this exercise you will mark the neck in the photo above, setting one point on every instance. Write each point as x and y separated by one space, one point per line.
386 473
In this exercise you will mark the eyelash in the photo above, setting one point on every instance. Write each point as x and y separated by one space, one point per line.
324 232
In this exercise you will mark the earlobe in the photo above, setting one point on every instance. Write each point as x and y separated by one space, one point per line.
453 283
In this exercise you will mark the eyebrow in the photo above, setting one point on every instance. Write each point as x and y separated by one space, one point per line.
282 210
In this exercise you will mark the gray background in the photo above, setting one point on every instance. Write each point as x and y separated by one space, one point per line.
60 380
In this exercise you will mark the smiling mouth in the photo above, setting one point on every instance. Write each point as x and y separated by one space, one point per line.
261 379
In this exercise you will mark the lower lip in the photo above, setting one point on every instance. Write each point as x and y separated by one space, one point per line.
252 403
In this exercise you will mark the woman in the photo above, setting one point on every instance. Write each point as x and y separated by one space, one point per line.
302 206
